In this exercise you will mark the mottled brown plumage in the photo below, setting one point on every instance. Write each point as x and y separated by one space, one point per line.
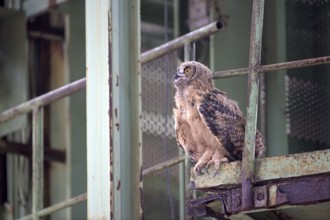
209 125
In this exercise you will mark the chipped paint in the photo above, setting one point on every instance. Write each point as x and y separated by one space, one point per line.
247 174
269 168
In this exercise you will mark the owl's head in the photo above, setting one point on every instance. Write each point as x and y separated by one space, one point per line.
193 73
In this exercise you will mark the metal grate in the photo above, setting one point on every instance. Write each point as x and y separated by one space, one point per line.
306 105
161 188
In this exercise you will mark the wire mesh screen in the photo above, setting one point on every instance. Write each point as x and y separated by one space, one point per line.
161 189
307 92
306 111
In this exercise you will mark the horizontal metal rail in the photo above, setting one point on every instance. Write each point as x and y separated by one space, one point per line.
274 67
59 206
164 165
80 84
81 198
180 41
43 100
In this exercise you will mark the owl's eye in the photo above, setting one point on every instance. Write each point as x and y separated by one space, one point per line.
187 70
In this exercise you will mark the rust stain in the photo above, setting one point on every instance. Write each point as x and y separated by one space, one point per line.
117 126
117 80
116 112
118 185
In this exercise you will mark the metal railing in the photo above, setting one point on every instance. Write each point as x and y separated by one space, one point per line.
36 105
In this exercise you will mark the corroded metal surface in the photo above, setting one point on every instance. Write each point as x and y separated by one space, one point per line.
247 173
125 111
270 195
269 168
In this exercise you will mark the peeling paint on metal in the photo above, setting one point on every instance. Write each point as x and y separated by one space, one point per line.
294 165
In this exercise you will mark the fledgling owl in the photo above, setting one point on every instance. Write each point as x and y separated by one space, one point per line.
209 125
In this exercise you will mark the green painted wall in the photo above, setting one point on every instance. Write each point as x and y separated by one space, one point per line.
230 48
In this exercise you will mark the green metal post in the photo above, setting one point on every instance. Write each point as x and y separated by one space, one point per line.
37 161
185 167
97 109
252 109
126 134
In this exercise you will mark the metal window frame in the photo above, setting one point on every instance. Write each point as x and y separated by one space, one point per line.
36 106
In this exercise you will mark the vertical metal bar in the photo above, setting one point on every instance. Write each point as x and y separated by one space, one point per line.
252 109
37 161
186 166
98 105
126 110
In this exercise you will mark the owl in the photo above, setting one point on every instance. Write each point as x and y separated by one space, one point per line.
209 125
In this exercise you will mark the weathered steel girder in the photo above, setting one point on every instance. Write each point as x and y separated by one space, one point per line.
267 195
294 179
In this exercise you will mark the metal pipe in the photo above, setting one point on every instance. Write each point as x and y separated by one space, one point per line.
274 67
43 100
252 108
59 206
179 42
163 165
37 161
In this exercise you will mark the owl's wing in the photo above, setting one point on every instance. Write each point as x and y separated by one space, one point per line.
183 135
225 121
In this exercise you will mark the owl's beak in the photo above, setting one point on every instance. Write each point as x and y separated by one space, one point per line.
178 75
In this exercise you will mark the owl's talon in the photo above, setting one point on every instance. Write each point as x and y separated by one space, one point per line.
216 173
198 170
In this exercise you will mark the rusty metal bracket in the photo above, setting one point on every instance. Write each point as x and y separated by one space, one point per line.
305 190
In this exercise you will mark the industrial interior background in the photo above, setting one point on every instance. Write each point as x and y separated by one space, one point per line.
42 47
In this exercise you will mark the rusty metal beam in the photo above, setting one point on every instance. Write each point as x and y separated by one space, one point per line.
247 174
269 196
274 67
266 169
126 111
